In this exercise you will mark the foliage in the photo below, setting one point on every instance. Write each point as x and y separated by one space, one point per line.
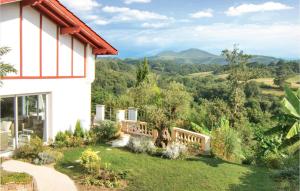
226 143
267 144
47 157
142 72
291 104
157 119
273 160
200 129
106 130
108 179
5 68
211 112
14 177
252 89
281 74
31 150
78 132
175 151
90 161
67 139
141 145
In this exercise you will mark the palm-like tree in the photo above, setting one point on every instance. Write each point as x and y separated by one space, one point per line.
291 104
4 67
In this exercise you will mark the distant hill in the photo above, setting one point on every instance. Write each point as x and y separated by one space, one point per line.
197 56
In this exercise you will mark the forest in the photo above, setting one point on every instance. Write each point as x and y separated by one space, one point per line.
248 108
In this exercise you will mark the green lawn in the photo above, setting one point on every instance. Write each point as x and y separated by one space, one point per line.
153 173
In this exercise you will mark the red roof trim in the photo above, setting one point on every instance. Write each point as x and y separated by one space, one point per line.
8 1
65 18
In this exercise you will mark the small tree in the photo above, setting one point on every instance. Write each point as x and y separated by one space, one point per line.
282 74
4 67
142 72
226 143
239 75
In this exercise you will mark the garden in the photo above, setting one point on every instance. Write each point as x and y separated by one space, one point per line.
254 137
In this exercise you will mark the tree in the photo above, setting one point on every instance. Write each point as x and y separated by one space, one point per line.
239 75
142 72
5 68
291 104
226 143
176 100
282 73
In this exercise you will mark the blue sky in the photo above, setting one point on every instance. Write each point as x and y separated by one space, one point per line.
140 28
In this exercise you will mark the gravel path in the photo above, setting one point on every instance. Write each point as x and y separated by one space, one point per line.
46 178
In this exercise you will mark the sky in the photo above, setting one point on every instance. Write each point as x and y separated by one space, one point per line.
139 28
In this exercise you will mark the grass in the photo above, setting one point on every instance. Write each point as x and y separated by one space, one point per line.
270 87
13 177
153 173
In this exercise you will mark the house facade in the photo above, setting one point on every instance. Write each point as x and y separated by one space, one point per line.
54 54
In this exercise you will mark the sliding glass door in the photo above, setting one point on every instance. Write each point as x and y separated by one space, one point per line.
31 117
7 124
22 117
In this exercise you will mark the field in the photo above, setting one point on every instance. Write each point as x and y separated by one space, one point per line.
267 84
155 174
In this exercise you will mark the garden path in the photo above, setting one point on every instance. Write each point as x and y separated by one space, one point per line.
46 178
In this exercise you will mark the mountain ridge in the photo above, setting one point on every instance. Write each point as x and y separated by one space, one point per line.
198 56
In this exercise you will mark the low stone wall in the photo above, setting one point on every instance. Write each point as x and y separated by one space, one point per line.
18 187
177 135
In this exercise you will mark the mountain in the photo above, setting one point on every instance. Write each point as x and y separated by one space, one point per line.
197 56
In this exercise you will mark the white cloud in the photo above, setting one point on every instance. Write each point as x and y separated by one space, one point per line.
127 14
136 1
251 8
280 40
80 5
154 25
202 14
97 19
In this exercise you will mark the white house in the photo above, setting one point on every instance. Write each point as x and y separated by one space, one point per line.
54 53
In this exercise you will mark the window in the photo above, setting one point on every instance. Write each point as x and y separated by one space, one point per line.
22 117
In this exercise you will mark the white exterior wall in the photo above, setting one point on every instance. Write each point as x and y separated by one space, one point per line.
65 42
90 67
31 42
9 19
69 98
78 58
48 48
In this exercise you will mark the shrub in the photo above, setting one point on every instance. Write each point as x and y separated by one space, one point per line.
31 150
67 139
90 161
273 160
106 130
90 138
60 139
141 145
75 141
175 151
288 178
79 132
226 143
17 178
48 157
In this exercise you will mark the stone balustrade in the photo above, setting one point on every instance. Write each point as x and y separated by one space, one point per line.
137 128
188 137
178 135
